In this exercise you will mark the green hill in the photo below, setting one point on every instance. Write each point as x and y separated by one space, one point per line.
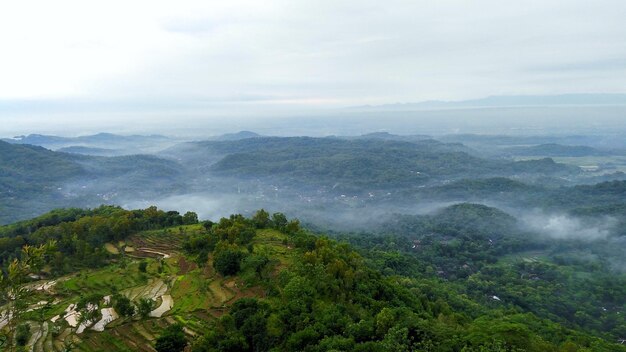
34 180
252 284
351 164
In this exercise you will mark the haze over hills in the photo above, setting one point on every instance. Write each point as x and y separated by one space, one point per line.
509 101
34 179
506 232
596 114
106 144
319 176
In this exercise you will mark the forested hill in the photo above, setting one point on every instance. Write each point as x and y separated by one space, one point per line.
34 179
145 279
355 164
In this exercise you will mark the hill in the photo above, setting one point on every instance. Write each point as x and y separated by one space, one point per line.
254 284
95 144
355 165
34 180
237 136
89 151
556 150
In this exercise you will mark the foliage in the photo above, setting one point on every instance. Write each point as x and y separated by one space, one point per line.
228 261
81 234
353 165
123 306
34 180
331 298
144 307
143 265
172 339
22 334
12 290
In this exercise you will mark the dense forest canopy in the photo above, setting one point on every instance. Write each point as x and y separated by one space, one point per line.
447 282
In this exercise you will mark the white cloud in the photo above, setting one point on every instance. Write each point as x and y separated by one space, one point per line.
319 53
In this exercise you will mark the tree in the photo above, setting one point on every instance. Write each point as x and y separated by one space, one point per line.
172 339
144 307
22 334
207 224
124 306
12 290
190 218
261 219
292 227
279 220
258 263
87 307
227 262
142 266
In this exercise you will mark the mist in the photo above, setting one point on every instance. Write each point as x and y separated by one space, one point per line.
318 122
562 226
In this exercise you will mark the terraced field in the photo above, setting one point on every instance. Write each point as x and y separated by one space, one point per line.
182 291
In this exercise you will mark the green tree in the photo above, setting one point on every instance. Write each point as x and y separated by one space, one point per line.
12 290
172 339
261 219
190 218
124 306
258 263
279 220
227 262
22 334
292 227
143 266
144 307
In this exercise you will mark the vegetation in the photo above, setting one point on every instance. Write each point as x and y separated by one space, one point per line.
461 279
366 163
172 339
34 180
80 235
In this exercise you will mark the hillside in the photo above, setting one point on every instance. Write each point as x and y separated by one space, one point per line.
98 144
258 284
556 150
352 165
34 179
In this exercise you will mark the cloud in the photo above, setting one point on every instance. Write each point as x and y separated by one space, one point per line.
322 53
561 226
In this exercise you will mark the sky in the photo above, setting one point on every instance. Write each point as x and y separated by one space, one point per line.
139 57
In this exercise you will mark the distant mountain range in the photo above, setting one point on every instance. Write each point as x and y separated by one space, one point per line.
236 136
101 144
41 139
109 144
506 101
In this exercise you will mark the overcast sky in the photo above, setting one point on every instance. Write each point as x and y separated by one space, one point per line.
169 54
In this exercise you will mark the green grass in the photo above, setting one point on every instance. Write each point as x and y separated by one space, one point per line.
104 281
190 292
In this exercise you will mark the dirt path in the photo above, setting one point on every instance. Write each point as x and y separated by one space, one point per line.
148 250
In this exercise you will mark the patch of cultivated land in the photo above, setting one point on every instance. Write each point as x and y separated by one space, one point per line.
182 291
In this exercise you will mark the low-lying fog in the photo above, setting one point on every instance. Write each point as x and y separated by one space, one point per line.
343 216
